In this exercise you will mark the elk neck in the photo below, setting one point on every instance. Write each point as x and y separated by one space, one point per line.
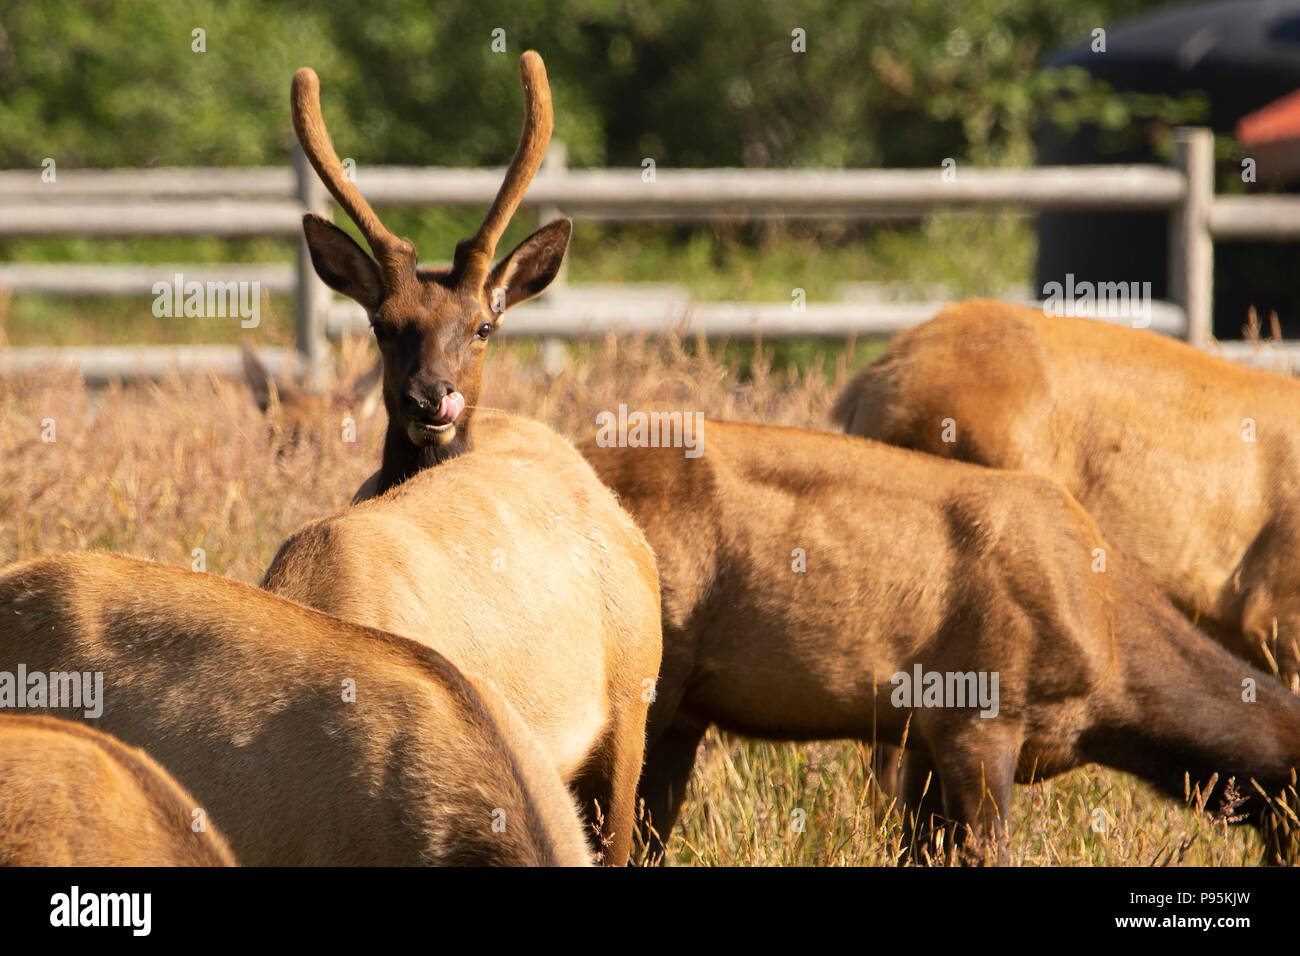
403 458
1182 704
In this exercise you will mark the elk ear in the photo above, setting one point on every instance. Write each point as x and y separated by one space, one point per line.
341 263
530 266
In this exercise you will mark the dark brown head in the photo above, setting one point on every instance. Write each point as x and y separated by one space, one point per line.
432 326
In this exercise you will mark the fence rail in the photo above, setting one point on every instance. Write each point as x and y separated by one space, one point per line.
270 201
626 192
101 364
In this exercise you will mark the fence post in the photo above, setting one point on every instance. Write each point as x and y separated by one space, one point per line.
1191 247
312 297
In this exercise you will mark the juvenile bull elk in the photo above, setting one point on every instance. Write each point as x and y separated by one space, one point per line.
513 560
821 586
518 565
305 739
432 325
1186 460
73 796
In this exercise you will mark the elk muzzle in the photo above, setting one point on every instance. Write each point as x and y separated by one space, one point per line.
431 413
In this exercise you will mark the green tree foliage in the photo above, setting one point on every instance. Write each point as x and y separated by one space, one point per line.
688 82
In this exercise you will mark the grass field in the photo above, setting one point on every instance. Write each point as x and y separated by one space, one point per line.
160 471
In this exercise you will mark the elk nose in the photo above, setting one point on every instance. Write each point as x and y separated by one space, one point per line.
428 403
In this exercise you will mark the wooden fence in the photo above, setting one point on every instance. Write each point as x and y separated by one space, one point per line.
271 201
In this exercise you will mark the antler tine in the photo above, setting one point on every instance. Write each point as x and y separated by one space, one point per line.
474 255
393 254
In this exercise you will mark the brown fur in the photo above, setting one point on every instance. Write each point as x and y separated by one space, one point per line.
73 796
912 559
517 564
1146 432
239 694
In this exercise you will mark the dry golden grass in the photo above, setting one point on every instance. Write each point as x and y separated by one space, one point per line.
740 807
159 471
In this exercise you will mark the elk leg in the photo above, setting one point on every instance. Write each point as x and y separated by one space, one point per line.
607 788
885 769
920 800
978 781
667 771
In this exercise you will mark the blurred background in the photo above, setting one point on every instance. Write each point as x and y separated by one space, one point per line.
689 83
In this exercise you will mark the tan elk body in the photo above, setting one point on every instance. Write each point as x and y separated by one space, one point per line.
74 796
552 595
1190 462
306 740
802 570
509 557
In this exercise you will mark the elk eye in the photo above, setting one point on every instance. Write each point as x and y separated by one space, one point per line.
483 330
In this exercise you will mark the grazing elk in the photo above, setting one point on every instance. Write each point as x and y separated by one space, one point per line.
301 414
305 739
803 571
73 796
1187 461
514 560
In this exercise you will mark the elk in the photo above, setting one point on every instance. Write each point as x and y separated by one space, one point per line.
513 559
73 796
307 740
519 566
432 325
296 415
1187 460
802 572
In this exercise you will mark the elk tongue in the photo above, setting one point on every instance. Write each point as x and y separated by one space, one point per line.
452 405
